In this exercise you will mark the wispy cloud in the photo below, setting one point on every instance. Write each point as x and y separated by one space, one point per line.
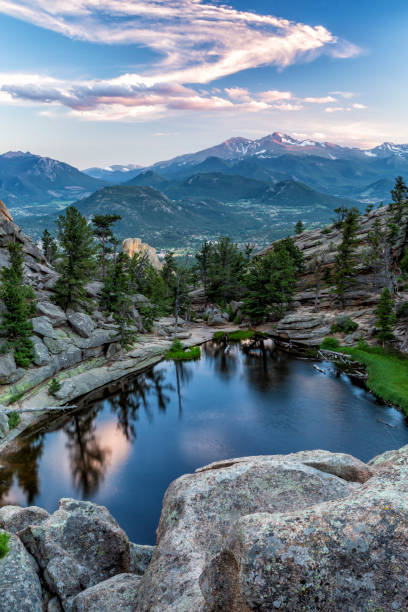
196 42
323 100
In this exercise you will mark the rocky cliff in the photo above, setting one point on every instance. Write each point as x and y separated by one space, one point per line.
132 246
313 531
308 323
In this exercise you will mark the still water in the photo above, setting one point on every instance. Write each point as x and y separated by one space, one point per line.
127 442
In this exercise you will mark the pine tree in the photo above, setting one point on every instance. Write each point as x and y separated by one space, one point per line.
399 203
226 266
345 260
103 231
341 213
299 227
19 300
77 260
379 256
168 272
270 282
116 299
203 257
385 318
49 246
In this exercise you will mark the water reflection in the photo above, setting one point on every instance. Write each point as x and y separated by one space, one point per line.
88 456
21 466
127 441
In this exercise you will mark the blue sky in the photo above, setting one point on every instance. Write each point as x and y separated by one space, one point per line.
136 81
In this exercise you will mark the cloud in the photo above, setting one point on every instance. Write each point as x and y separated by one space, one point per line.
324 100
195 42
335 109
343 94
273 95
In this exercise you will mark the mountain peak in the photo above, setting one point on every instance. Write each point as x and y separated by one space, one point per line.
11 154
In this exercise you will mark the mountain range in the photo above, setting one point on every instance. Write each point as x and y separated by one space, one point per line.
27 179
241 186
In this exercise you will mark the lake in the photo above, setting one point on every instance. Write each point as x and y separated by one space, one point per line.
127 442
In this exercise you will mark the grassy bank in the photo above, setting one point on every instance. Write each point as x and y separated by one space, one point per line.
239 334
387 373
179 353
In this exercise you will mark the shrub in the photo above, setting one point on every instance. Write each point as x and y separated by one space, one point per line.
13 419
344 324
179 353
4 544
331 344
54 387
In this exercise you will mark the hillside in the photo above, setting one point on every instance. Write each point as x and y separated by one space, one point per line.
28 181
308 324
230 188
162 222
291 193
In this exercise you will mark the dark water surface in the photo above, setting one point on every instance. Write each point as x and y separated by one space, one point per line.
129 441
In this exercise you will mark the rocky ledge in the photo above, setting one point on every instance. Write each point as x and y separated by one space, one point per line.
308 531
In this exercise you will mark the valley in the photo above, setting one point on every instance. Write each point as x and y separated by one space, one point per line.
254 191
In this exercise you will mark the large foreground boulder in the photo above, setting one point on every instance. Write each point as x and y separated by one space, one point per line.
345 555
20 587
312 531
77 547
201 509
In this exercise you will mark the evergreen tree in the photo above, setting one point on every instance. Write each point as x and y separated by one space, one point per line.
379 256
399 203
77 260
203 257
341 213
225 270
19 300
299 227
249 249
116 299
385 317
345 260
181 299
270 282
49 247
168 272
103 231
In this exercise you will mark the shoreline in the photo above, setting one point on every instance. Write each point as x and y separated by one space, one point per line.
94 374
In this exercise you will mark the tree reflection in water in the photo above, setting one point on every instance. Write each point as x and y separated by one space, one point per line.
275 366
22 465
88 459
224 360
134 393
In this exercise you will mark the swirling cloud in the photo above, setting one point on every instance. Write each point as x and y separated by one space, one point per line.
195 42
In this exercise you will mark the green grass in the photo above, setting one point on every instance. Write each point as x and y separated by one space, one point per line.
330 344
387 373
4 544
13 419
179 353
239 334
15 397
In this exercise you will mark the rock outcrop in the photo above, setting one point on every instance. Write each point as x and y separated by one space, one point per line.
315 531
131 246
309 322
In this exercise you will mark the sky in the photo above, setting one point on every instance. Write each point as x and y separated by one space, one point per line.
100 82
